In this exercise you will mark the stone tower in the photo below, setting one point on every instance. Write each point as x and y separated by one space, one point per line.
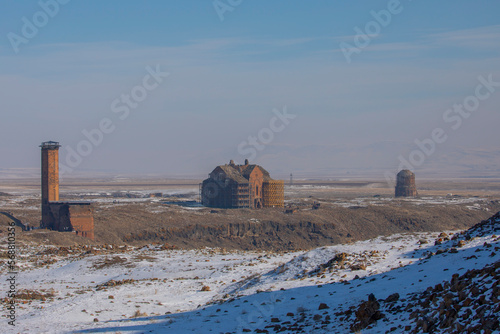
50 179
405 184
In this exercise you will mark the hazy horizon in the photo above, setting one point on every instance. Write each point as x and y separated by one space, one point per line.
278 74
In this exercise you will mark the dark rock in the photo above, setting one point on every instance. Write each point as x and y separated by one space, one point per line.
323 306
367 313
392 298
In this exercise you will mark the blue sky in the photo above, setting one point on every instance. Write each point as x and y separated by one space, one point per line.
227 76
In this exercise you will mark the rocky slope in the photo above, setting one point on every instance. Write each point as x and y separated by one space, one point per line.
467 302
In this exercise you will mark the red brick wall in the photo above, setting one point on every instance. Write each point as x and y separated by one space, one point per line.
50 184
256 179
82 220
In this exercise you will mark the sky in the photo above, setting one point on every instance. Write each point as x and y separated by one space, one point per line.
322 88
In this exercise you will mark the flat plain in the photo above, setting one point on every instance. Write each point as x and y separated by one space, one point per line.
143 211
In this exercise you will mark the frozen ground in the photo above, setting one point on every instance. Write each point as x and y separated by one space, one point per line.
326 195
475 202
153 289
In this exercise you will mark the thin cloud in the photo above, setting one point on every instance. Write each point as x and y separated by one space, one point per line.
483 38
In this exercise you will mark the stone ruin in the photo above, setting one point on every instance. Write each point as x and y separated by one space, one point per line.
77 217
405 184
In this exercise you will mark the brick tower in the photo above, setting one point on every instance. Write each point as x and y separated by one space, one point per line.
50 180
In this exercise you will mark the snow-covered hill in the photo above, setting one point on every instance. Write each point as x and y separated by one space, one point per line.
401 283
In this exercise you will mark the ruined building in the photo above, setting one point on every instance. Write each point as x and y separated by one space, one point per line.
405 184
75 217
241 186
